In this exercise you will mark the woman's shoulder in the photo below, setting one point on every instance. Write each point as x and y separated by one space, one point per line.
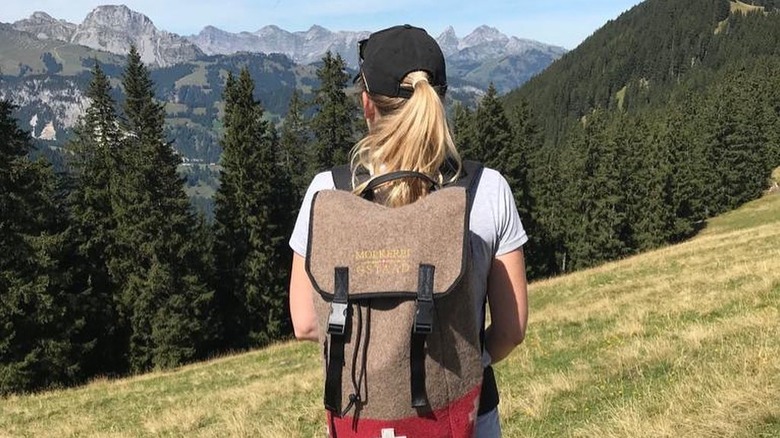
490 173
493 194
492 181
322 181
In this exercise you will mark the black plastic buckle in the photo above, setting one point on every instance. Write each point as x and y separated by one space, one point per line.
337 320
423 318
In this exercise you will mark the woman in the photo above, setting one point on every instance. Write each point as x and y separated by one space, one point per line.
402 82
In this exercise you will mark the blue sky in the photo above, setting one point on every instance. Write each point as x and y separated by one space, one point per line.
561 22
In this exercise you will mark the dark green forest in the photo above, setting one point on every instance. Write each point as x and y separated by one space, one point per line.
106 267
663 118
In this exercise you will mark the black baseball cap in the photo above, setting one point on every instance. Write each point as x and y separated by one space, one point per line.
388 55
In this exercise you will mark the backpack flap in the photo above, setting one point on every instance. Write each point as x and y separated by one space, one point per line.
383 248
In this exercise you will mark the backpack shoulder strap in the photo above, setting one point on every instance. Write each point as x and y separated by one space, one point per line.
342 177
471 171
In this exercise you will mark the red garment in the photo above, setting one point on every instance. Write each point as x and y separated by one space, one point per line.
457 420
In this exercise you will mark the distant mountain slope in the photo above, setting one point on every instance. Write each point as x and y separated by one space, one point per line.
308 46
21 53
44 63
44 26
487 56
304 47
46 79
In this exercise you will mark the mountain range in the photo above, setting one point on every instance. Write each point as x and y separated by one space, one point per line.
306 47
45 63
113 28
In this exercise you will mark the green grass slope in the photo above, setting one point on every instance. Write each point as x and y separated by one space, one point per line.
682 341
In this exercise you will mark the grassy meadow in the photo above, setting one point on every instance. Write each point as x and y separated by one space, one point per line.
683 341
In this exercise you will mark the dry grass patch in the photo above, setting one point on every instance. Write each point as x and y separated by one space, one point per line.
534 400
744 8
232 396
675 342
196 78
726 399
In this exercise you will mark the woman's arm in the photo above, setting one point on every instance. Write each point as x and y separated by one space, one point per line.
508 301
304 317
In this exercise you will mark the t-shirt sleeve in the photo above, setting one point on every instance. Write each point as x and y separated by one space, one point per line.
511 234
299 240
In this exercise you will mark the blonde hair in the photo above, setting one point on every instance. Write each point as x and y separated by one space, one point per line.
406 134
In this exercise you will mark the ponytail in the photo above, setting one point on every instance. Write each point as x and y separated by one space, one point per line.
407 134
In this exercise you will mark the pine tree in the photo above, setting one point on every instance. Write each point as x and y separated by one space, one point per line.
494 137
518 166
252 221
608 228
463 133
770 92
645 173
690 171
565 210
333 120
599 231
548 184
94 150
504 147
164 294
294 144
736 143
35 290
773 113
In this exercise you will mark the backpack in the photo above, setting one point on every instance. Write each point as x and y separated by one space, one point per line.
402 346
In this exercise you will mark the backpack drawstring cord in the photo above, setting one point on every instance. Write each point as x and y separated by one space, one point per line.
358 378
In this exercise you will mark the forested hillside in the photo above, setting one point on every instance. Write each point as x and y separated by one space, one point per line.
646 53
664 117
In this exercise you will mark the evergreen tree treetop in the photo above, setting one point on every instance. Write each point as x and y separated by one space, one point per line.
251 222
333 120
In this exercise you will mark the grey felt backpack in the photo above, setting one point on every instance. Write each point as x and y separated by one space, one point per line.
397 315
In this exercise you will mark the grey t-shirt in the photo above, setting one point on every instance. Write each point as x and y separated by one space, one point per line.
494 223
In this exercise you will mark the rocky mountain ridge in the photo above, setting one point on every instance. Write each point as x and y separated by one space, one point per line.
44 26
114 28
308 46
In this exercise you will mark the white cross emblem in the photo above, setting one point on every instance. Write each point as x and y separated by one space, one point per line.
390 433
